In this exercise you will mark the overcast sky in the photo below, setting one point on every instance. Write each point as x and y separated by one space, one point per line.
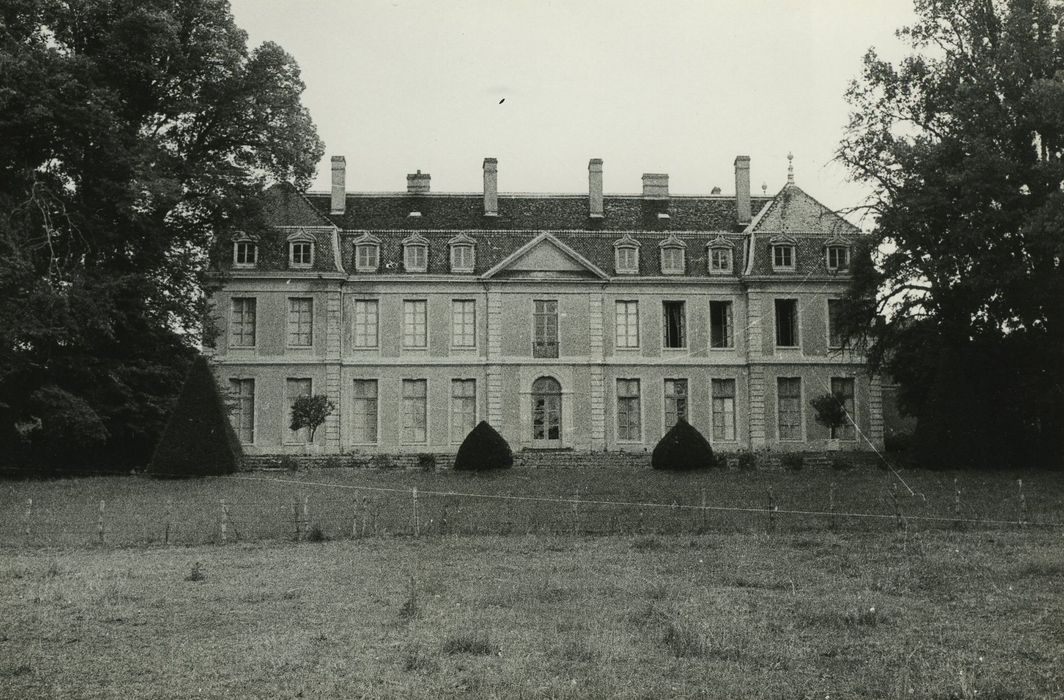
674 87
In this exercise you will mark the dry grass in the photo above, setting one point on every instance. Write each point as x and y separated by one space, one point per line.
894 615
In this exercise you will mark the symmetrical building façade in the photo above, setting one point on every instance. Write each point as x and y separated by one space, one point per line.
591 322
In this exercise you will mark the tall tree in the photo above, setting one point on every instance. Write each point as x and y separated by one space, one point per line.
135 137
962 144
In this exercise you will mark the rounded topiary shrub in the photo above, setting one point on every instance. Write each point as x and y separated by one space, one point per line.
483 449
682 449
198 440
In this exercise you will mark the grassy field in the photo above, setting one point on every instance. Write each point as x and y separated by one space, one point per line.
931 614
343 503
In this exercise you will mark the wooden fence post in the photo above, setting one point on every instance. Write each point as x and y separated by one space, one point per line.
29 514
771 511
956 504
169 520
223 523
703 509
295 517
1023 504
306 516
576 511
899 521
831 507
99 521
417 524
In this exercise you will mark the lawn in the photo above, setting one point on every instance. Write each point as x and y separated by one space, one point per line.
345 503
924 614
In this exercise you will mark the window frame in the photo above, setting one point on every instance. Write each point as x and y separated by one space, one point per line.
238 397
622 250
411 332
800 437
686 398
355 324
791 250
796 325
670 248
404 383
251 245
367 242
682 325
850 429
456 438
538 346
828 316
626 304
287 434
355 397
720 244
836 247
467 248
254 323
714 412
638 398
473 324
288 324
415 249
729 324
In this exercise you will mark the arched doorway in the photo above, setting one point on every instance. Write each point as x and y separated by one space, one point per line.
546 412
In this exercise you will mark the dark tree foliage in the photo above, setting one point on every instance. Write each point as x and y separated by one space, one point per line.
830 411
963 145
683 448
483 449
310 412
198 440
135 137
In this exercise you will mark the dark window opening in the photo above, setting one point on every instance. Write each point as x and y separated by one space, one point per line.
675 324
787 323
720 324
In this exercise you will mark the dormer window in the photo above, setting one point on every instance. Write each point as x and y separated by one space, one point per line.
783 249
462 253
720 256
367 253
245 252
416 253
626 256
673 256
838 257
300 250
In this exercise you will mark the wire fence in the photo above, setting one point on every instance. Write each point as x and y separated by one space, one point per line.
274 508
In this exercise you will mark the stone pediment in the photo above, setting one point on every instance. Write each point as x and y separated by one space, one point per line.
545 257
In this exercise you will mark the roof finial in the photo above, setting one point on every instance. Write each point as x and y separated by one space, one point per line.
790 168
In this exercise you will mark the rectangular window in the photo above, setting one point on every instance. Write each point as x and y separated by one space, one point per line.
242 328
675 401
415 258
242 396
461 258
294 388
627 259
300 322
843 390
627 324
365 323
245 254
366 257
838 257
415 411
723 409
301 255
835 338
720 260
415 323
787 323
672 262
364 412
674 324
463 323
720 324
628 422
463 408
783 257
545 328
789 407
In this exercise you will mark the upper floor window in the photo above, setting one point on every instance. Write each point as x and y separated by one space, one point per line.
674 324
783 253
242 322
365 326
300 250
838 257
463 253
720 256
720 324
626 256
245 252
300 322
463 323
415 254
672 256
415 323
367 253
544 328
835 336
626 323
786 323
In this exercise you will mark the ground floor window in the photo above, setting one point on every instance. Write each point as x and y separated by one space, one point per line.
546 410
242 394
675 401
723 409
293 390
628 419
415 411
789 407
463 408
364 412
843 389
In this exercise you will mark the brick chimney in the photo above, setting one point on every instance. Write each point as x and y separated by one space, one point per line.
594 188
655 186
491 187
339 191
742 189
418 183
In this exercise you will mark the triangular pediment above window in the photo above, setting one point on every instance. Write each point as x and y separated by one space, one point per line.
783 239
672 242
244 237
415 239
300 236
626 241
462 239
837 240
720 242
545 257
367 238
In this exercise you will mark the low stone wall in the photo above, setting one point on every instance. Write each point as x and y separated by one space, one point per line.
552 459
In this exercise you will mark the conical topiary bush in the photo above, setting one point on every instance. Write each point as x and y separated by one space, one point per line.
198 440
682 449
483 449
